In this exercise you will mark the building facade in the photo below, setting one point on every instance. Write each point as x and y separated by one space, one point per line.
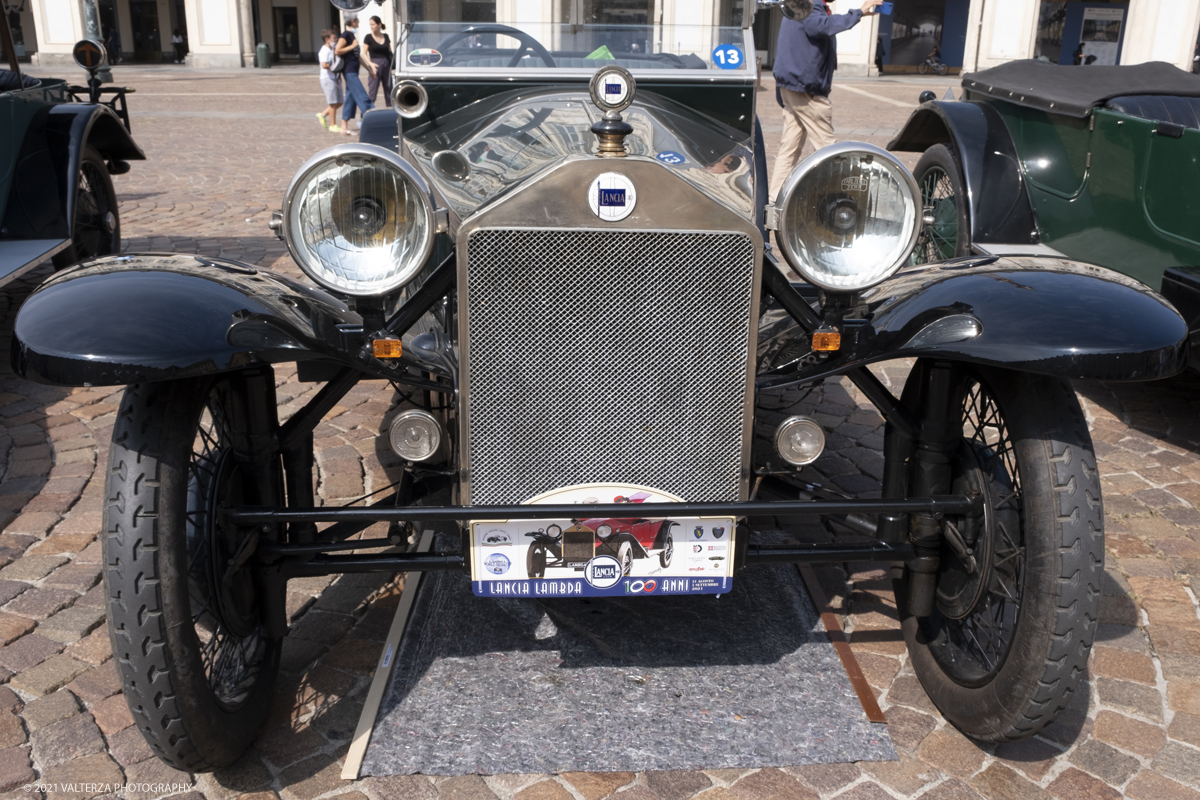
973 35
968 35
216 33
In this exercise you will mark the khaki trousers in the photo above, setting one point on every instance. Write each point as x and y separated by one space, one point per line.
804 115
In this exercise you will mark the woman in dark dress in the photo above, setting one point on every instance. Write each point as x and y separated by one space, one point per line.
379 52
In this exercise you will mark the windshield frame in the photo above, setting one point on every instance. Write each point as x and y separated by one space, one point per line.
747 73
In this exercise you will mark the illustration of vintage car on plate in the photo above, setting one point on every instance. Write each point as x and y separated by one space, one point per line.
625 539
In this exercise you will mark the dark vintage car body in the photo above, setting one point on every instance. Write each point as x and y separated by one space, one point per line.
570 297
1098 164
45 133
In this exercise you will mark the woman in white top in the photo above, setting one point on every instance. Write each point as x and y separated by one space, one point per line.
331 84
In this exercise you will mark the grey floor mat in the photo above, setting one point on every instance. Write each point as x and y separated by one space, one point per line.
748 679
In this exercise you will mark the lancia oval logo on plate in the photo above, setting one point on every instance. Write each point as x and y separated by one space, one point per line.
612 196
602 572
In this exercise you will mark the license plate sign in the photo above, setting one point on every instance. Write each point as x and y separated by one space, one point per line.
546 558
602 556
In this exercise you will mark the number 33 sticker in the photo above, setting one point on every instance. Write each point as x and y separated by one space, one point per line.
727 56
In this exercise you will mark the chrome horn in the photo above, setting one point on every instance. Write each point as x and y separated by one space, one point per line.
410 99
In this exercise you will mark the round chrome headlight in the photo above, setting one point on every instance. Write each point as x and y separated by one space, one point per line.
799 440
415 435
849 216
604 531
358 220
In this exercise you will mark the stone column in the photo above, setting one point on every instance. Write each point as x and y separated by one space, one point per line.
1007 32
246 21
1161 30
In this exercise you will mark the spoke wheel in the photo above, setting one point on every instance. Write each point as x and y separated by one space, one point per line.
1018 585
979 593
222 599
945 233
197 672
96 227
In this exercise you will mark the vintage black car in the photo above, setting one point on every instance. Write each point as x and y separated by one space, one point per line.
556 255
60 145
1095 163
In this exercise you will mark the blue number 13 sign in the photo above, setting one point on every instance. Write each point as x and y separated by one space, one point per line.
728 56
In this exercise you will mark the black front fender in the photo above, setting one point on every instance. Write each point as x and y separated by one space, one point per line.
135 318
999 208
71 127
1043 315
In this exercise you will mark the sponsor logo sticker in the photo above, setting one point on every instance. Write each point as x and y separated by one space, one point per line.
718 532
497 563
425 57
638 587
497 538
670 157
699 532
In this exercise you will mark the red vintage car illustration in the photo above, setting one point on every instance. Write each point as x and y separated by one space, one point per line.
625 539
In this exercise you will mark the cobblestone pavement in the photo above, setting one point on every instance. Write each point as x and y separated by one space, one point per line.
221 149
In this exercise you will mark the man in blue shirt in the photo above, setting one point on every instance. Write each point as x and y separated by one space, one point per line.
805 59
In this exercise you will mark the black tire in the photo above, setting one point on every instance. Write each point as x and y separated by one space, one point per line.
923 68
535 561
668 550
1045 550
941 69
96 227
198 703
944 197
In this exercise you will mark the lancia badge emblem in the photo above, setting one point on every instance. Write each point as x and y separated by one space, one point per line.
612 88
612 196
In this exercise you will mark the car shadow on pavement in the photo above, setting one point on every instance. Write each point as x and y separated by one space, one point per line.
1165 411
31 455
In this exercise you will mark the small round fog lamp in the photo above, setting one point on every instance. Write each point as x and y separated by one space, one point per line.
415 435
799 440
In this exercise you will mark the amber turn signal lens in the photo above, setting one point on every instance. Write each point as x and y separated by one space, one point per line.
386 348
826 341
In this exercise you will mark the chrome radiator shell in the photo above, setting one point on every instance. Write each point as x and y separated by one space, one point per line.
594 352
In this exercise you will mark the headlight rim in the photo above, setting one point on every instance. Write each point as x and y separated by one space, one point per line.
784 196
360 149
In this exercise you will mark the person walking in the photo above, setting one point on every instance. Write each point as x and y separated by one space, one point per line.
177 43
356 94
804 64
113 44
331 82
379 52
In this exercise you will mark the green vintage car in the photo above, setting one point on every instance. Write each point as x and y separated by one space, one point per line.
1100 164
58 146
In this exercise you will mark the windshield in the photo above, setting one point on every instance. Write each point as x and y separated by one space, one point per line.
575 34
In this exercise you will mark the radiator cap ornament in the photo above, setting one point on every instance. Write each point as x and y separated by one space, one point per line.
612 90
612 196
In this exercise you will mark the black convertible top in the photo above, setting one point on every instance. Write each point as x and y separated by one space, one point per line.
1075 91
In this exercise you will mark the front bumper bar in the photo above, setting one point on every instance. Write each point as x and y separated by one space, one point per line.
937 504
321 558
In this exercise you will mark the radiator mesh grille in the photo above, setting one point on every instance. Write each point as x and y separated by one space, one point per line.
606 356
